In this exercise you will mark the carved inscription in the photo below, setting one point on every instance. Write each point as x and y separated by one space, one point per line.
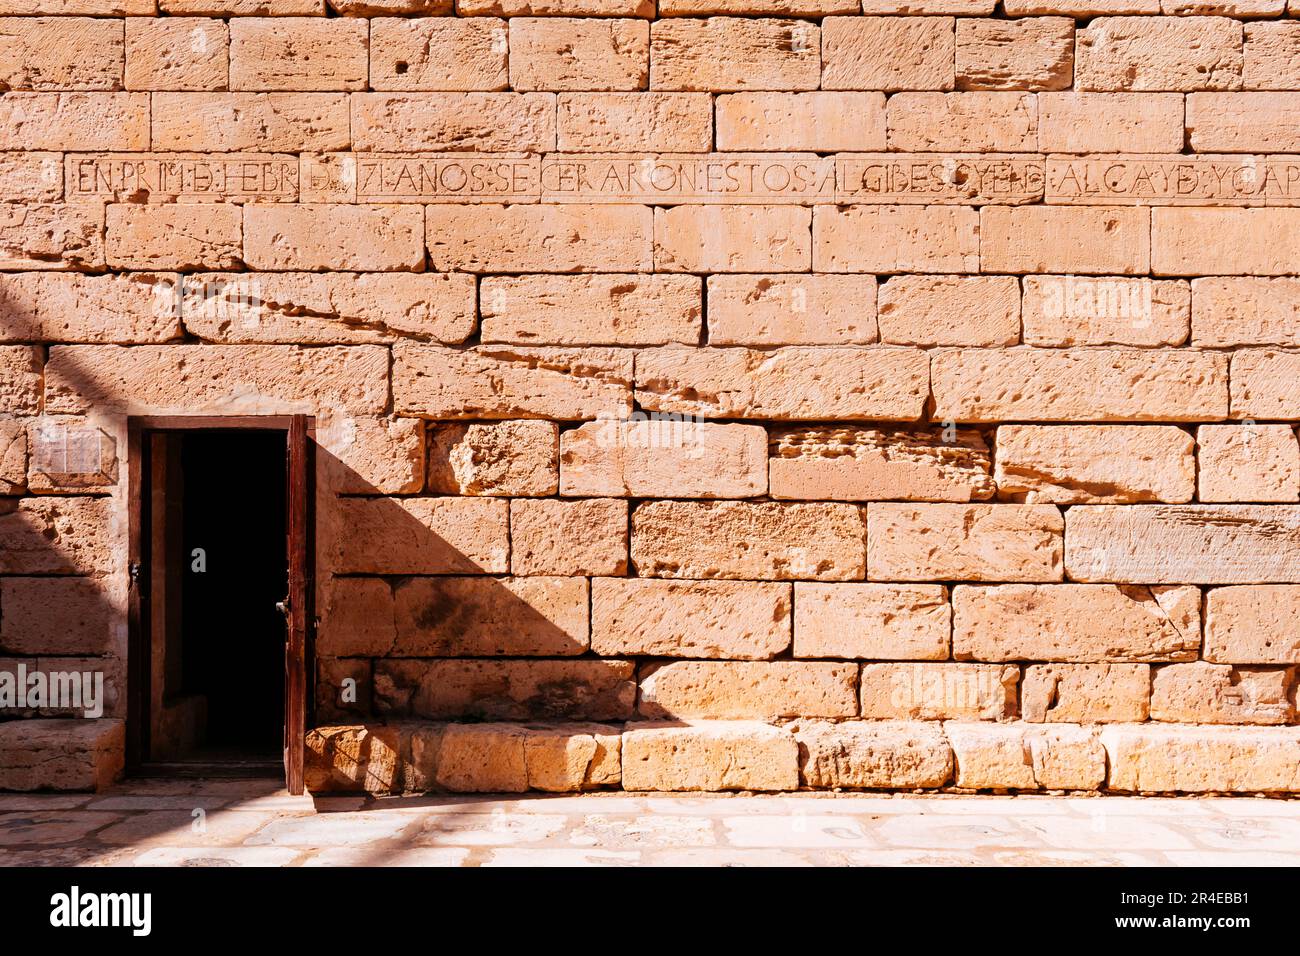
940 178
189 177
421 178
689 178
1174 180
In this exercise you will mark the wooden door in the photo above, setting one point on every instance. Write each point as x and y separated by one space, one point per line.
298 611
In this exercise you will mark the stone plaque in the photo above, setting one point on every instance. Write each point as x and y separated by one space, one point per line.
186 177
677 178
940 178
1174 180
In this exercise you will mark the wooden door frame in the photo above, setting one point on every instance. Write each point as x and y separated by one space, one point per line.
298 695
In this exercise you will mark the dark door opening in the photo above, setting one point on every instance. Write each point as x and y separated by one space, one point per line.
219 596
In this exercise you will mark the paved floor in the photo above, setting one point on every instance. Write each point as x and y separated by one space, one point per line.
238 823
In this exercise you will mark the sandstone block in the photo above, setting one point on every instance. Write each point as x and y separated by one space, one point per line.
505 690
494 458
1184 544
792 310
60 53
32 176
1154 758
177 53
1015 757
59 616
1245 311
220 122
419 536
173 236
1085 693
648 458
888 53
51 236
582 536
572 757
342 690
1252 625
1033 53
1265 384
20 383
482 758
963 542
944 691
732 239
1072 239
1095 464
540 238
13 461
317 236
67 754
487 122
298 53
1242 122
709 755
628 309
1247 463
872 621
217 379
1192 241
737 540
721 54
506 382
1205 693
903 239
556 53
1159 53
355 758
1105 385
356 618
57 535
1077 122
438 53
1063 311
786 384
748 689
71 307
821 121
950 310
1075 622
1271 57
75 121
977 122
635 122
865 464
734 620
863 755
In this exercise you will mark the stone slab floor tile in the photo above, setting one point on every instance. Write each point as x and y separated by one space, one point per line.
957 833
608 831
798 830
562 856
495 829
218 856
169 827
332 829
22 829
415 856
1109 830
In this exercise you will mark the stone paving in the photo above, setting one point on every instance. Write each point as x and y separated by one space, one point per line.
249 823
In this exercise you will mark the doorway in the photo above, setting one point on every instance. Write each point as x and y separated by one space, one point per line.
220 596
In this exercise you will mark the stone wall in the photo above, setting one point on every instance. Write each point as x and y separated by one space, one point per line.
738 394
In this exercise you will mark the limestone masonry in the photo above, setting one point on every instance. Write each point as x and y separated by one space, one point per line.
722 395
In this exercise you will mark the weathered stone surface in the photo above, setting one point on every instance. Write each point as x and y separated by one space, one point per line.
356 617
1062 311
709 755
872 621
1196 241
584 536
985 385
32 176
20 379
355 758
505 690
791 383
505 382
955 542
944 691
1155 758
370 455
1159 53
1245 311
792 310
324 309
1085 693
1100 240
732 239
977 122
1184 544
1252 625
1034 53
60 53
173 236
579 54
13 458
670 458
591 309
69 307
721 54
888 53
488 122
60 616
177 53
1078 122
366 238
540 238
418 536
632 122
288 122
950 310
821 121
572 757
219 379
905 238
58 535
1095 464
1205 693
75 121
1019 757
298 53
1075 622
68 754
494 458
1248 462
1265 384
51 236
733 539
1242 122
438 53
342 690
748 689
863 755
482 758
740 620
